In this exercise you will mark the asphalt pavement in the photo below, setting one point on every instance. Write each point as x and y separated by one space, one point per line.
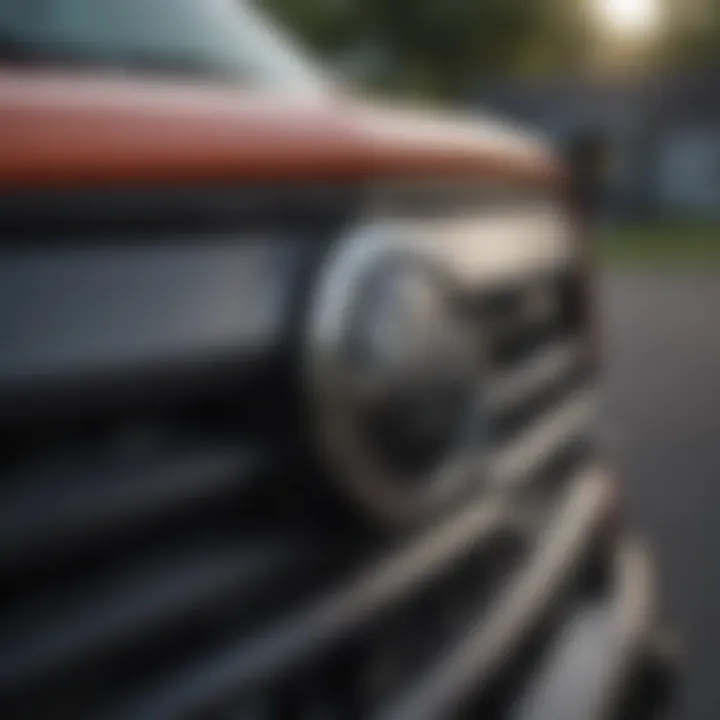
662 417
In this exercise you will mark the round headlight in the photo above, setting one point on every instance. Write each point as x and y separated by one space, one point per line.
393 374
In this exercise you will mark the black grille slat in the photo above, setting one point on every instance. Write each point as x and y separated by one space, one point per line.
209 682
519 385
44 514
100 620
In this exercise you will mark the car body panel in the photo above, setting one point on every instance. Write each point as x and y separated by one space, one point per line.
62 128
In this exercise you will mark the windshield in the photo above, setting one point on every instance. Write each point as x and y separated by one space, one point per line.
222 39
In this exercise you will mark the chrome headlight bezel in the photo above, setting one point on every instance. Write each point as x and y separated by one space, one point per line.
338 396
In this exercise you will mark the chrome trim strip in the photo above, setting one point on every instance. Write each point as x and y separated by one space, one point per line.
512 387
522 604
511 466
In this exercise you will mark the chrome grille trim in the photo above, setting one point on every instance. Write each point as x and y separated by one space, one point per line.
515 464
250 662
518 606
549 366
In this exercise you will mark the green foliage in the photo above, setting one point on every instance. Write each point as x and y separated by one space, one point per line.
450 43
444 48
670 245
692 33
436 47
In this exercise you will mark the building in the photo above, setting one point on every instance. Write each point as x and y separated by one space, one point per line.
663 135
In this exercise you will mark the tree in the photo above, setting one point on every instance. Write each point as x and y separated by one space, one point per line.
445 48
439 47
692 33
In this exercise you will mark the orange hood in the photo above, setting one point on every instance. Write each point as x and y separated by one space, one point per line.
62 129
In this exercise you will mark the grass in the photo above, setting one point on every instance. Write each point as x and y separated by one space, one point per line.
668 245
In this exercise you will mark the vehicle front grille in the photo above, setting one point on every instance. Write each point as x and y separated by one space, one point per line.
164 552
540 392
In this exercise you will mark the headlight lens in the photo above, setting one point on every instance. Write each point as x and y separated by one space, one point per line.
392 372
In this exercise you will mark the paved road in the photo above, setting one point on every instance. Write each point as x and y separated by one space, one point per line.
663 411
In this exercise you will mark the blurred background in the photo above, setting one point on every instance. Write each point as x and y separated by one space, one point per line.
642 76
